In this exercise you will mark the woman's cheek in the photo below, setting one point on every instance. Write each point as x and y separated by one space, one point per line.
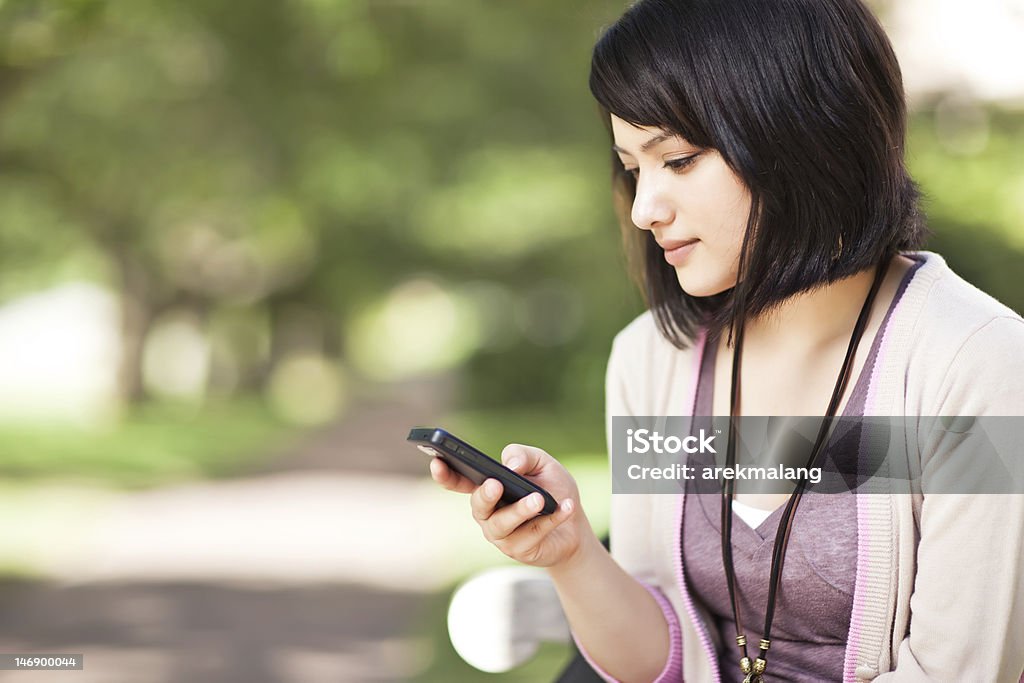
708 272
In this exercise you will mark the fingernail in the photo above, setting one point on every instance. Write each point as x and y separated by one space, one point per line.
512 463
567 505
491 489
535 502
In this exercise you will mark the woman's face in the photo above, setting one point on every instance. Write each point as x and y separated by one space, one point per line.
690 200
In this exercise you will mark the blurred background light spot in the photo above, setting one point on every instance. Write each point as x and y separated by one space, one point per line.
307 389
29 41
493 305
240 254
59 353
419 328
176 357
550 314
508 203
202 257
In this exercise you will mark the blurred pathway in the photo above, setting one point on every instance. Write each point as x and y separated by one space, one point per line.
197 632
385 531
316 568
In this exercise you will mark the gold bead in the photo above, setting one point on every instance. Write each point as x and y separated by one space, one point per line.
741 640
745 665
759 666
765 643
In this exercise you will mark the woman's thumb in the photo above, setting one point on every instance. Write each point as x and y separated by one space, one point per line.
523 459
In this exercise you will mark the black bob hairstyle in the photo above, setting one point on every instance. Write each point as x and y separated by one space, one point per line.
804 101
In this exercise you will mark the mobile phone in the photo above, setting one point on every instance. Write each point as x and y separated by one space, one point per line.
477 467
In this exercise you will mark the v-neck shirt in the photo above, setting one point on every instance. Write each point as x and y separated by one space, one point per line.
815 600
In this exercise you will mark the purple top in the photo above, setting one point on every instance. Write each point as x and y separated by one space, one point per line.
815 600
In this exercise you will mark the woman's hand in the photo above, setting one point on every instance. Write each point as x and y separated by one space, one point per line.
518 530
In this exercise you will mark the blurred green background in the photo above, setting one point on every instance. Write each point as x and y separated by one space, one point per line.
243 248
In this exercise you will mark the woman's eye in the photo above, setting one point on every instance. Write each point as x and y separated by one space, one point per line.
680 164
676 165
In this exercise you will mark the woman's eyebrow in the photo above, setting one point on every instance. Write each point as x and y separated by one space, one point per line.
646 147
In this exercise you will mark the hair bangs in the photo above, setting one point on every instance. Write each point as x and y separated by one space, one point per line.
635 74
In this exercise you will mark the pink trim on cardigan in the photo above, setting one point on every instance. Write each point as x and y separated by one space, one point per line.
863 530
705 638
673 669
856 616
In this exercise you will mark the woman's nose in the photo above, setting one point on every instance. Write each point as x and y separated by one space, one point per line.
651 208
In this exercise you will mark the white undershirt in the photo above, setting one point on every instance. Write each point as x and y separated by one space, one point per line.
752 516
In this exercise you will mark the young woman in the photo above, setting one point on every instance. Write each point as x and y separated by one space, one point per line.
758 149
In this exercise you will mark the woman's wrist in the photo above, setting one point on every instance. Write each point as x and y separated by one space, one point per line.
581 558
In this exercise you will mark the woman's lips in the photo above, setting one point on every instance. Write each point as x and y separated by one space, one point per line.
676 252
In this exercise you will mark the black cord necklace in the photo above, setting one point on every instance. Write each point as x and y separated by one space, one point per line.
754 671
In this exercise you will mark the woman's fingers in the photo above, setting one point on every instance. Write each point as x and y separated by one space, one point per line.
448 478
484 498
523 459
504 522
518 530
526 539
528 542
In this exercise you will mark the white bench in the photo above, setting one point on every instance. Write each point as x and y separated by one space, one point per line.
498 618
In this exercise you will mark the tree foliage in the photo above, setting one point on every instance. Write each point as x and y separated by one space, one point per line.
299 160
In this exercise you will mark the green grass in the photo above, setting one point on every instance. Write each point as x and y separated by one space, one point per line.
152 445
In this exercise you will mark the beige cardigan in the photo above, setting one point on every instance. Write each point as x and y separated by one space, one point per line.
939 592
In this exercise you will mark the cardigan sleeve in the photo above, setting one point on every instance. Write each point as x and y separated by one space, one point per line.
967 608
631 514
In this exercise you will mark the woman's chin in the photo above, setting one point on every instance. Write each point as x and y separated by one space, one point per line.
696 283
